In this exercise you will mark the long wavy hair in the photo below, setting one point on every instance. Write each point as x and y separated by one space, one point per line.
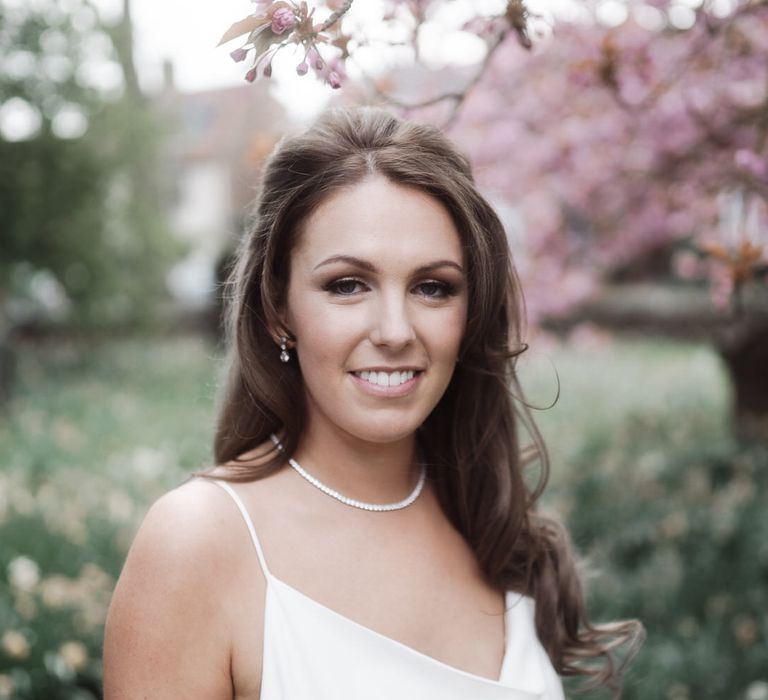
470 441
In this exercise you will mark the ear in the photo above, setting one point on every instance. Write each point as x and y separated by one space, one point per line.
277 321
281 334
278 329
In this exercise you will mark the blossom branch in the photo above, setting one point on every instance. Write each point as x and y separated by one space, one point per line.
456 97
335 17
609 72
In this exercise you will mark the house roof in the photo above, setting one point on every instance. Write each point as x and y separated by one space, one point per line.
235 127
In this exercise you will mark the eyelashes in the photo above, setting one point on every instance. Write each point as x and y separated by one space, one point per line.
346 287
352 286
436 290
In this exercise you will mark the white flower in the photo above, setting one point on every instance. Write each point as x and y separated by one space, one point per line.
55 591
6 686
58 666
757 691
23 573
148 462
74 654
15 644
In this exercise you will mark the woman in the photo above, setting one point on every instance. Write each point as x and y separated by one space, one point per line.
368 532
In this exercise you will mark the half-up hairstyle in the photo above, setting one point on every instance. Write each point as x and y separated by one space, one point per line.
471 440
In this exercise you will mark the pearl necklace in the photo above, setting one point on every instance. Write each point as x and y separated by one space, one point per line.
351 501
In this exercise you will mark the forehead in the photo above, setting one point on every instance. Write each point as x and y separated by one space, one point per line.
378 220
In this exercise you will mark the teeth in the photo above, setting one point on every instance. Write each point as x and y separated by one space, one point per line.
384 378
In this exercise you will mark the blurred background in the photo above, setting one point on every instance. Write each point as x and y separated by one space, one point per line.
623 143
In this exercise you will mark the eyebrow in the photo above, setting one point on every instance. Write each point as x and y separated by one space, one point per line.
370 267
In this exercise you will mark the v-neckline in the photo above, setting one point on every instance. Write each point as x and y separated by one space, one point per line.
508 604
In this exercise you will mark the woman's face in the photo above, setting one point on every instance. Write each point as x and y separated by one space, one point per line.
377 303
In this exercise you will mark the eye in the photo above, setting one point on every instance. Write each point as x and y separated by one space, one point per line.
432 289
344 287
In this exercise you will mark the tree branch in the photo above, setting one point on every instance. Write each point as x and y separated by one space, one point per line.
335 17
457 97
714 27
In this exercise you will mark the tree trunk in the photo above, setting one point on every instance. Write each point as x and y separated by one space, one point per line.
744 349
122 36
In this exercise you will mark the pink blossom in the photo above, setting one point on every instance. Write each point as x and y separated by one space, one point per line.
332 72
282 19
302 68
722 287
599 184
315 58
688 265
751 162
239 54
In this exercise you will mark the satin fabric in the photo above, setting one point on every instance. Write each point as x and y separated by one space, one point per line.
312 652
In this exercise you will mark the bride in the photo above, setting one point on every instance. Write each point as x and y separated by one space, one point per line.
368 531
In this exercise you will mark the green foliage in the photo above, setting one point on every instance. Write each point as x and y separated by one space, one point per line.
688 555
93 435
671 515
85 210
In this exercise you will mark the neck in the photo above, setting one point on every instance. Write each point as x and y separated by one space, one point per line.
366 471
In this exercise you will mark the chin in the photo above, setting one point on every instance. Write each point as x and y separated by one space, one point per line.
383 432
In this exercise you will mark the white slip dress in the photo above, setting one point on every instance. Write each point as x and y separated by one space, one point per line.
311 652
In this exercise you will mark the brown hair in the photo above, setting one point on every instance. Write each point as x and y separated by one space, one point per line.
470 440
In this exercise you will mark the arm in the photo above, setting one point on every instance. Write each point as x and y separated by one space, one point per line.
168 634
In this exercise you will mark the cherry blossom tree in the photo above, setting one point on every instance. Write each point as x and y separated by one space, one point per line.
622 144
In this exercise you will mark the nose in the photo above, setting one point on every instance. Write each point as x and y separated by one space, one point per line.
391 325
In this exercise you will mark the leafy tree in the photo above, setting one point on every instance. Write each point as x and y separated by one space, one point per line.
80 210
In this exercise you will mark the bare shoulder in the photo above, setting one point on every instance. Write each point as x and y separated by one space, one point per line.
183 529
169 628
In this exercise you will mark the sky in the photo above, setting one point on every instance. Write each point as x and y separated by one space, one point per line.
187 34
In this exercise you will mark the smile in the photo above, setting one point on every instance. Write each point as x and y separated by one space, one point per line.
386 378
387 384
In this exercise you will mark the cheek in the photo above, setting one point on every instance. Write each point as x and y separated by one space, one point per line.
445 333
323 335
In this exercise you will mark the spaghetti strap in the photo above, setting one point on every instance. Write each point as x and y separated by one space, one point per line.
248 522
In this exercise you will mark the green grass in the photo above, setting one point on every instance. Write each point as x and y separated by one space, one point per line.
613 392
139 407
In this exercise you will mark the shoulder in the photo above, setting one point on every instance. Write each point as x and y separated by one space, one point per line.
184 528
168 631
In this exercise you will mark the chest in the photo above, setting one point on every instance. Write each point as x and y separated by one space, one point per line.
428 598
